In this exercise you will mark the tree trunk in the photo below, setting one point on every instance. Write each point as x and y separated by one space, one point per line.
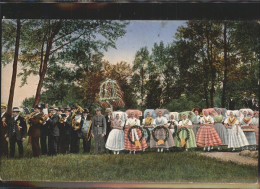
16 52
52 33
43 73
225 80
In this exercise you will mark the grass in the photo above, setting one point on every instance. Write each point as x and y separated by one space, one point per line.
149 166
171 167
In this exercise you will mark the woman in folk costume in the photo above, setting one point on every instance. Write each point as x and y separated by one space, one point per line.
191 142
220 128
255 125
207 136
173 121
237 137
245 121
149 123
135 135
196 121
115 140
161 135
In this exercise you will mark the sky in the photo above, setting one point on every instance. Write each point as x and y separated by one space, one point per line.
138 34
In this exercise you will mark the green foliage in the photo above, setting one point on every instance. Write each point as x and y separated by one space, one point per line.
28 102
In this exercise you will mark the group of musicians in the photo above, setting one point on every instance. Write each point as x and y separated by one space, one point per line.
52 131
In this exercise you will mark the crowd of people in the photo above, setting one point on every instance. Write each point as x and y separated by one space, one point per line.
59 130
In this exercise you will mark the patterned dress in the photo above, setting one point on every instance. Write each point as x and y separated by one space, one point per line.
161 134
221 129
237 137
255 125
191 143
115 140
207 135
250 135
135 135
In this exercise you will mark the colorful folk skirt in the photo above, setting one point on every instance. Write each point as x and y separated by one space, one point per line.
237 138
256 128
115 140
132 147
191 143
207 136
161 135
222 132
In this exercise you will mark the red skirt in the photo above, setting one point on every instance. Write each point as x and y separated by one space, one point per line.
207 136
256 128
130 146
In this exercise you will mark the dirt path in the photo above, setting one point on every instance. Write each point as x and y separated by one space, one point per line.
232 156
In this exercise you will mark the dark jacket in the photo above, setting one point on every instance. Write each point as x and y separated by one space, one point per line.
53 123
65 128
4 124
108 122
17 127
35 125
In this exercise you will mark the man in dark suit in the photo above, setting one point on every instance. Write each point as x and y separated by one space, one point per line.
252 103
86 131
76 133
65 129
44 131
17 132
3 132
54 131
231 104
108 122
36 121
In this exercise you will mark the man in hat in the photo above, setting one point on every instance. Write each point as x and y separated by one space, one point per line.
65 132
231 104
36 122
108 122
17 132
3 132
76 133
99 131
252 103
86 131
44 131
54 131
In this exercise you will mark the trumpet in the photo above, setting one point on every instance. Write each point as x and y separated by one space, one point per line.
44 118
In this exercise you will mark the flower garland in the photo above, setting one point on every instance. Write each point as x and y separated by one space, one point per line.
129 132
166 132
186 139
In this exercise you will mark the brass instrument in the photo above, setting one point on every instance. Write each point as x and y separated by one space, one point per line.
75 124
63 118
44 118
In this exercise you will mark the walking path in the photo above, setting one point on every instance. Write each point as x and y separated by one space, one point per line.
232 156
